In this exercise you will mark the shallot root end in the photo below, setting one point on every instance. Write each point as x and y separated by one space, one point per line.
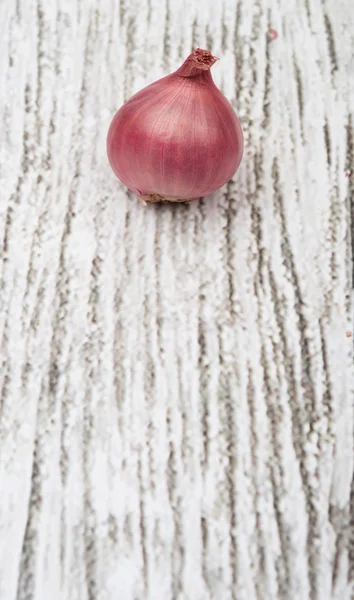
150 198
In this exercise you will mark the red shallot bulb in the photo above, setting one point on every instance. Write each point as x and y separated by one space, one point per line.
177 139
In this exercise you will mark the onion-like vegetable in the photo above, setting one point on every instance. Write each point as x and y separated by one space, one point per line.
177 139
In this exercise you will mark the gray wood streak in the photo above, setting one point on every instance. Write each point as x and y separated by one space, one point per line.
175 386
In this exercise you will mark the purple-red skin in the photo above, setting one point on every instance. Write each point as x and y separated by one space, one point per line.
178 138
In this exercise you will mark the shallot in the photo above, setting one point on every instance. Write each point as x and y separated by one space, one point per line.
178 139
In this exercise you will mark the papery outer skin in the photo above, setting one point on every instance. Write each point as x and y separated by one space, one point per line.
178 137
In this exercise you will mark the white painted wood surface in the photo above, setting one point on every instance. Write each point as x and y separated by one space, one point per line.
176 382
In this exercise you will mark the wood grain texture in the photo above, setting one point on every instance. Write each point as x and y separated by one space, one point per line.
176 381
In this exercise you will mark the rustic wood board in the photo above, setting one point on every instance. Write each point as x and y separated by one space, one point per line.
176 381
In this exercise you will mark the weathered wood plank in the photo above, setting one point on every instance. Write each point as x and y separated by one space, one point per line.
176 382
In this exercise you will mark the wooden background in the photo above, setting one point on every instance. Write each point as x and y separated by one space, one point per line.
176 381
